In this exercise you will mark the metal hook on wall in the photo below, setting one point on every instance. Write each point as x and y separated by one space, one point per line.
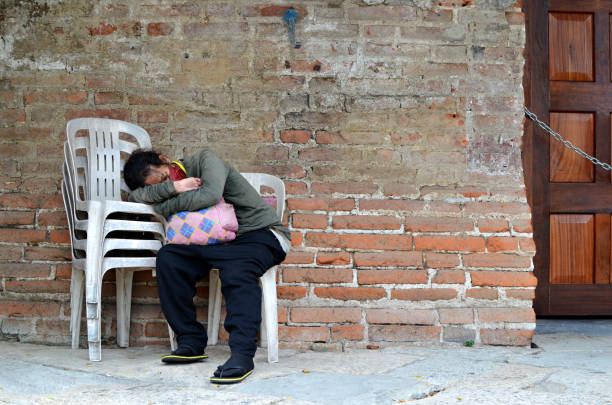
290 16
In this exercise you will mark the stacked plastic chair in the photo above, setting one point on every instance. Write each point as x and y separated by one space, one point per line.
106 232
269 325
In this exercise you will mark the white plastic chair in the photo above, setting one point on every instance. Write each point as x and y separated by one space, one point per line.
95 154
269 325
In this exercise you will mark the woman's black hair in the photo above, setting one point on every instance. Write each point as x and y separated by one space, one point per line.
137 167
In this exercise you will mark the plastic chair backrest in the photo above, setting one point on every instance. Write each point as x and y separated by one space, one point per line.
257 180
102 142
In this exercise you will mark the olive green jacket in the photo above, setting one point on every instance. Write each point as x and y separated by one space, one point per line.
218 180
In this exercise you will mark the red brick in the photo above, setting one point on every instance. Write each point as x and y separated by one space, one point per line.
488 208
492 225
449 243
270 152
265 10
323 204
59 236
29 309
25 134
325 315
302 334
11 253
295 188
320 154
404 333
522 226
13 115
424 294
520 294
515 17
400 190
458 316
108 97
296 257
503 278
52 327
350 293
208 30
22 235
449 277
38 286
333 258
48 253
521 315
102 29
323 240
482 293
347 138
285 292
53 218
365 222
506 337
33 201
527 245
389 259
392 205
496 260
106 81
379 242
347 332
438 224
317 275
297 238
437 15
172 10
441 260
344 188
63 271
24 270
382 12
56 97
123 115
295 136
282 315
309 221
159 29
156 329
502 244
401 316
391 277
152 117
11 218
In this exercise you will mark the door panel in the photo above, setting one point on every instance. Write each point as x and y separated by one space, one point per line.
571 46
567 81
565 164
572 248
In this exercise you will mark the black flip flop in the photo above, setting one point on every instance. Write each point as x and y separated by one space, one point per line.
235 376
234 370
184 355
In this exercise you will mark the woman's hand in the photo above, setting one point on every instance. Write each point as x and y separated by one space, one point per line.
190 183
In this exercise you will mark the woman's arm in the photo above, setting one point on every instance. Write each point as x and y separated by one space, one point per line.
154 194
213 175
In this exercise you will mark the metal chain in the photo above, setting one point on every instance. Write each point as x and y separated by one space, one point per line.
567 143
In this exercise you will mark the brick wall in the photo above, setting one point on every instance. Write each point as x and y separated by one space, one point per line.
396 128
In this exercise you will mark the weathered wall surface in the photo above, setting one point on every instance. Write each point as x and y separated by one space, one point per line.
396 127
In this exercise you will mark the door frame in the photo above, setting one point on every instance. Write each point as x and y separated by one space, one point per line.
536 87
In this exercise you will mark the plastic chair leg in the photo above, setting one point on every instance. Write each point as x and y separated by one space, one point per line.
172 336
93 279
270 314
76 304
214 306
124 301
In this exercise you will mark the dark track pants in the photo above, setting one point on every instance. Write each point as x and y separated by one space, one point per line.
240 262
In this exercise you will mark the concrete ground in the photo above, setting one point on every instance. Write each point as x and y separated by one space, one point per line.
571 365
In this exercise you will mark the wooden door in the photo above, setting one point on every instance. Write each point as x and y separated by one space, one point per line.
567 84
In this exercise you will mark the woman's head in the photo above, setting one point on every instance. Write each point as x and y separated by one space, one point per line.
145 167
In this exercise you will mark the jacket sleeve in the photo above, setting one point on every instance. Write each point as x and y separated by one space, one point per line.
154 194
213 175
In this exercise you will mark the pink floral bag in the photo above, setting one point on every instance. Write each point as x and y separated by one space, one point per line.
208 226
